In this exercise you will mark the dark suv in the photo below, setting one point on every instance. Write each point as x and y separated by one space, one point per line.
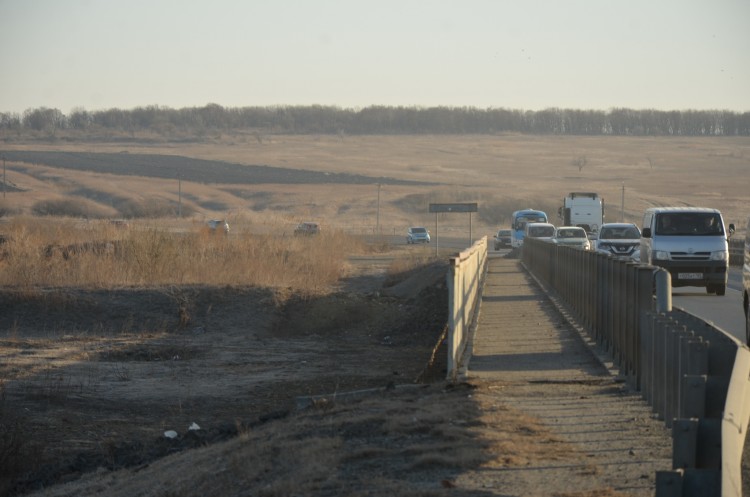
307 229
622 240
502 239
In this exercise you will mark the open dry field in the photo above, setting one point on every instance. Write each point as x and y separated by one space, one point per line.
91 377
500 173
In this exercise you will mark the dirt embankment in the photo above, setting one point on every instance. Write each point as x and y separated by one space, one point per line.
92 379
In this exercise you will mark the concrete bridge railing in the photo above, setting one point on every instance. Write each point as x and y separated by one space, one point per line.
465 282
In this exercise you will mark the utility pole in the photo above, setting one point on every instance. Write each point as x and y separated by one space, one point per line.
179 195
622 205
377 220
4 182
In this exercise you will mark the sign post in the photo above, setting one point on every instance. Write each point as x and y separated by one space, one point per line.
438 208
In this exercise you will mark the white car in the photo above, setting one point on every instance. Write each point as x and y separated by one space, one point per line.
542 231
218 224
621 240
417 234
572 236
307 228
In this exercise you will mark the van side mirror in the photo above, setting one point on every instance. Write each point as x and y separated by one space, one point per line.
646 233
731 229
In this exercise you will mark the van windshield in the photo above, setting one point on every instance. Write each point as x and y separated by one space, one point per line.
689 224
541 231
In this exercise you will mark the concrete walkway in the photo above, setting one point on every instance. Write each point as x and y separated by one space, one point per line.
538 363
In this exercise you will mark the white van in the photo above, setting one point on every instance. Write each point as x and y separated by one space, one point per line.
690 242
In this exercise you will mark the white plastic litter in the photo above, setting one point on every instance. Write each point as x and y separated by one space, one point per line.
194 427
170 434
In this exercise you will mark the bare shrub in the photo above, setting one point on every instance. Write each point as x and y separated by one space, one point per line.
6 209
185 300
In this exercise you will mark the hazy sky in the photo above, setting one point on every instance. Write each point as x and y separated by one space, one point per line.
516 54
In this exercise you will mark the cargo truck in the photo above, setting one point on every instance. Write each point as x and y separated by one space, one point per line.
583 209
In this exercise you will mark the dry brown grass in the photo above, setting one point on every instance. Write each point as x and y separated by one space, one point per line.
47 253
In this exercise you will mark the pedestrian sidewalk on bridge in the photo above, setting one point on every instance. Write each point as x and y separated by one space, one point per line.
526 355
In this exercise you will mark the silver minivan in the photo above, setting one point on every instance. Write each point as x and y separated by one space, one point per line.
691 243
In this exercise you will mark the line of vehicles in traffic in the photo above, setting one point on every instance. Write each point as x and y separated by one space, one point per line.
692 243
689 242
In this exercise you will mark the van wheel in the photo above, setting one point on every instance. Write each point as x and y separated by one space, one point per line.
710 289
720 290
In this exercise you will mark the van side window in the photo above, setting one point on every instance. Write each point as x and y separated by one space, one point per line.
647 220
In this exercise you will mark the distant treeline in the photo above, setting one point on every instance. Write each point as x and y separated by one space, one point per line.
317 119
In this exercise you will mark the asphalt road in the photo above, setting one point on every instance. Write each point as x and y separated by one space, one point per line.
724 312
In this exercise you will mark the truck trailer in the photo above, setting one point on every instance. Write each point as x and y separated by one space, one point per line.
583 209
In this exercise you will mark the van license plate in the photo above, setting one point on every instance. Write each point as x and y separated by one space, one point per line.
690 276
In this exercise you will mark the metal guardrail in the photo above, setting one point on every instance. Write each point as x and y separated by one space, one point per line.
736 251
695 376
465 282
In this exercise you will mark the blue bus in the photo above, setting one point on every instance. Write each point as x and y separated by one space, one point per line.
518 223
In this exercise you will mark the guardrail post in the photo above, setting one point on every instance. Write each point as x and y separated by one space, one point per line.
661 328
648 321
669 483
684 443
693 396
663 281
693 376
644 304
672 380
